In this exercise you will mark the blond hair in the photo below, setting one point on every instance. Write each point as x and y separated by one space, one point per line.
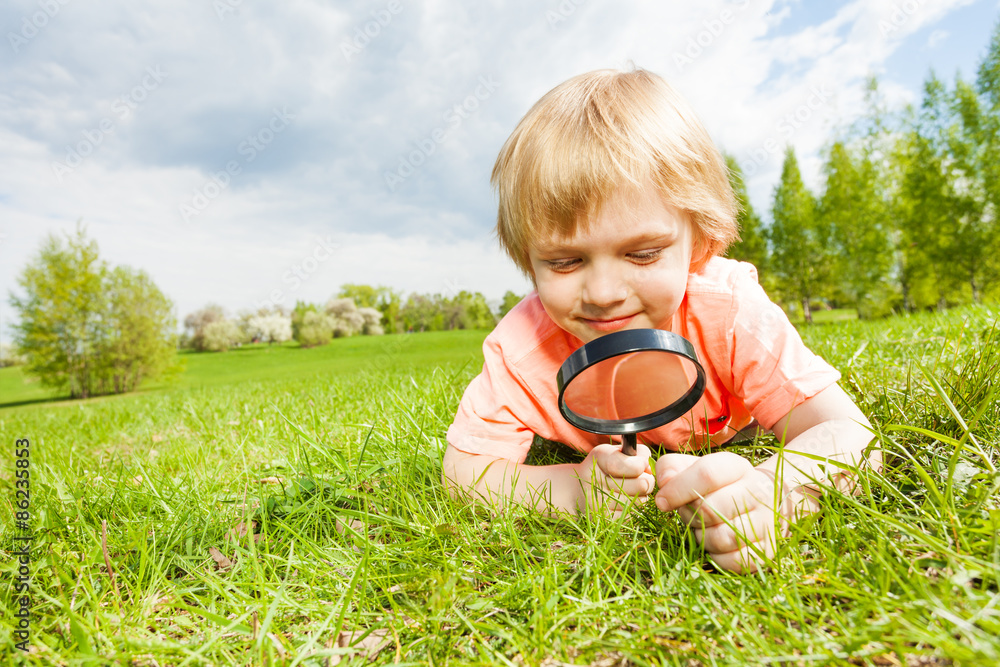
599 132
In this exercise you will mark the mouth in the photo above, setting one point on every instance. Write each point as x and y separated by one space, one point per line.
608 324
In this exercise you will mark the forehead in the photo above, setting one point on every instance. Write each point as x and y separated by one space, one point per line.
628 216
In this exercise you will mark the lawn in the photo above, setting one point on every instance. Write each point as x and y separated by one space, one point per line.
283 506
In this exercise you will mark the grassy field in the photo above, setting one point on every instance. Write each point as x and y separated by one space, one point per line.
283 506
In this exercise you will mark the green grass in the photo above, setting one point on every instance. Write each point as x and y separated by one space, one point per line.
337 461
269 362
824 316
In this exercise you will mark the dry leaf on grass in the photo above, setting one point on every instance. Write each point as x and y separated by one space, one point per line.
269 480
241 529
354 524
220 560
369 645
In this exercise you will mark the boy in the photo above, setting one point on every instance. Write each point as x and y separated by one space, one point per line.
617 205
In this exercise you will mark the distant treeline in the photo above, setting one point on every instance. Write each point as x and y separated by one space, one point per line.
354 310
907 216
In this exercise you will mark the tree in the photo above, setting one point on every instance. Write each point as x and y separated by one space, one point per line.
310 327
468 310
89 329
385 299
195 324
220 335
798 257
854 215
347 321
971 149
270 328
422 312
928 210
752 246
372 325
509 301
140 340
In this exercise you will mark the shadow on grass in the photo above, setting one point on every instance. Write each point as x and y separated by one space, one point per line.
65 399
33 401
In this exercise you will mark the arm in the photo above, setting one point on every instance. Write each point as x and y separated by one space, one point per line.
732 506
828 426
605 478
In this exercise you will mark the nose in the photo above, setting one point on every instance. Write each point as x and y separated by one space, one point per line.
604 286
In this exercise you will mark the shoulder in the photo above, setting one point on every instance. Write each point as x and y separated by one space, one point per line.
722 276
526 330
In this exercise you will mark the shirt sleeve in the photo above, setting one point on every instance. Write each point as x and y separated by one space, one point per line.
773 370
486 421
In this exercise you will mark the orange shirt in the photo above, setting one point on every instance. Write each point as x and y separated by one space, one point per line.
756 367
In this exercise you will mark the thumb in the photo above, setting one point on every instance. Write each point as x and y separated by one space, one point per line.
669 466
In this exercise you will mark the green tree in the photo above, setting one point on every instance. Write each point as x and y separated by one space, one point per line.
364 296
467 310
856 219
930 212
197 322
972 163
752 246
509 301
140 341
385 299
422 312
798 257
89 329
310 325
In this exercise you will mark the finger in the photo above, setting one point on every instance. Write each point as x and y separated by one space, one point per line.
747 560
636 487
669 465
756 529
607 500
722 506
613 463
705 476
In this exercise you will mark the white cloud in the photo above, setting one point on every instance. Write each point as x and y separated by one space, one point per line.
936 38
746 72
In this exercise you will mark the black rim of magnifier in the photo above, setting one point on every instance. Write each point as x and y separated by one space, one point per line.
617 344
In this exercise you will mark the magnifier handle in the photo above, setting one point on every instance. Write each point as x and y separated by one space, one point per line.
628 444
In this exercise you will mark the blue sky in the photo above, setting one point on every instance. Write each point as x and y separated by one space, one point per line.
245 153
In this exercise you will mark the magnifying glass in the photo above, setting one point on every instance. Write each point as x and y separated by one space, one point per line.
630 381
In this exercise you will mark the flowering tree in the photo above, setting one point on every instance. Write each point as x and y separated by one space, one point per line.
270 328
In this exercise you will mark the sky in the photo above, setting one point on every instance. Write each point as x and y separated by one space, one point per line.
248 154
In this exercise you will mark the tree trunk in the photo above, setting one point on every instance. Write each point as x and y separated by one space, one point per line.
806 311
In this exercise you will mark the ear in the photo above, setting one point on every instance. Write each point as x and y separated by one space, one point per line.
701 249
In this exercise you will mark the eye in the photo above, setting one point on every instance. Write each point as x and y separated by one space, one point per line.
562 265
645 256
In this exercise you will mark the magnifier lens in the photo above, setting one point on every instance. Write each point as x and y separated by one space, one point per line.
628 382
630 386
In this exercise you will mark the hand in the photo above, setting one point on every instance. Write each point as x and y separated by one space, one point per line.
612 480
727 502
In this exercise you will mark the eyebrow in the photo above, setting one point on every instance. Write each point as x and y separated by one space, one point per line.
544 247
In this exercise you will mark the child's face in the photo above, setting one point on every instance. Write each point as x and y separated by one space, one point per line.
627 270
